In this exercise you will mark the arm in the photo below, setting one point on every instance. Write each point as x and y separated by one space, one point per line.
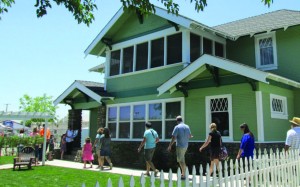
157 140
286 148
206 143
142 144
171 143
239 154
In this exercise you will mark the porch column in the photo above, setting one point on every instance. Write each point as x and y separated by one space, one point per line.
75 121
101 116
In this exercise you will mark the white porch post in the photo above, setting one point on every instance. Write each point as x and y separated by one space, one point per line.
44 144
260 117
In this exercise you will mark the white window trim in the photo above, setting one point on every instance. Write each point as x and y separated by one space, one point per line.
146 103
208 114
257 51
278 115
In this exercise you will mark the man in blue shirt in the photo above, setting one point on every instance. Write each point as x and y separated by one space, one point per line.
181 134
149 143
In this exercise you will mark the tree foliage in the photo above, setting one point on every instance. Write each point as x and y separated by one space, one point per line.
37 104
83 10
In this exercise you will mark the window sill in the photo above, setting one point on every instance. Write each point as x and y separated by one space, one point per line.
266 68
279 116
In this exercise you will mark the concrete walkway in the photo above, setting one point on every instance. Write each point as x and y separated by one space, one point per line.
77 165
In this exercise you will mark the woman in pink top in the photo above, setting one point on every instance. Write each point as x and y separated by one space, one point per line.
87 153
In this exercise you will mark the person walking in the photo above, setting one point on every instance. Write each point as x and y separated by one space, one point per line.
70 135
149 142
293 135
181 134
247 145
214 139
87 153
105 148
97 145
63 146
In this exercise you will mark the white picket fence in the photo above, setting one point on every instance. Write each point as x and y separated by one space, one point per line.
266 170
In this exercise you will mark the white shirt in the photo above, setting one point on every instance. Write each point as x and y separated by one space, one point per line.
293 138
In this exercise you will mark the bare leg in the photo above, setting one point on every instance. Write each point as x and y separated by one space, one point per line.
84 164
182 166
62 155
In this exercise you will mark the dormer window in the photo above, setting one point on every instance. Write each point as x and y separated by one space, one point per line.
265 51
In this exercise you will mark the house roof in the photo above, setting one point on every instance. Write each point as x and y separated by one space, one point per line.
198 67
178 19
100 68
80 88
262 23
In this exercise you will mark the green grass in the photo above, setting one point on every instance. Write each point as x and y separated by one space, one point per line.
51 176
6 160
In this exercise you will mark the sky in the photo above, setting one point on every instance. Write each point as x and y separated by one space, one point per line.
46 55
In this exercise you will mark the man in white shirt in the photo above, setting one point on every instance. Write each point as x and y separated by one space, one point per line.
293 135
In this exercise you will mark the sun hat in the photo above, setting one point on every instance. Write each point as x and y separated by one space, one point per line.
295 121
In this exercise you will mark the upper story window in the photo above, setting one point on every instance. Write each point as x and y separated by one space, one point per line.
174 48
115 63
141 56
127 60
195 47
157 52
219 49
207 46
278 106
265 51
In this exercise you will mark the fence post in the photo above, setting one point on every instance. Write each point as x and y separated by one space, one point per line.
121 183
142 180
162 178
109 183
178 178
170 178
201 176
152 179
194 183
97 184
132 183
207 176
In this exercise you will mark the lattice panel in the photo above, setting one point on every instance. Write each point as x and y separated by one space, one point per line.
277 105
219 105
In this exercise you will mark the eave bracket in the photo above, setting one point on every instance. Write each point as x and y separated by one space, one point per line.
183 87
214 71
175 25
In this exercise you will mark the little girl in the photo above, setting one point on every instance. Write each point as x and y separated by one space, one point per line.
63 146
87 152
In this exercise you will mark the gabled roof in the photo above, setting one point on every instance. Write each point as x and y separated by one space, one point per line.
100 68
180 20
198 67
281 19
93 90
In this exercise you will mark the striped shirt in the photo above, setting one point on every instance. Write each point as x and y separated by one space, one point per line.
293 138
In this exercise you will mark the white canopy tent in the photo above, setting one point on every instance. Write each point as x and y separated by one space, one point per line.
27 116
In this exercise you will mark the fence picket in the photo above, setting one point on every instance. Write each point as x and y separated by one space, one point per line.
276 168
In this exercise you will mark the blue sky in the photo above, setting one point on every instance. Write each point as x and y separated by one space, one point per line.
46 55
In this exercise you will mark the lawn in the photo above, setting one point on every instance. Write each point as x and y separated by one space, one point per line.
44 176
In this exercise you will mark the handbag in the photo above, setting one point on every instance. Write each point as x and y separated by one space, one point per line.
223 154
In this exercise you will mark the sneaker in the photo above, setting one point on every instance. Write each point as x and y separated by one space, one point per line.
156 173
101 168
110 166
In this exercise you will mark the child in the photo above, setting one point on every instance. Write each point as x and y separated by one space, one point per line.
63 146
87 153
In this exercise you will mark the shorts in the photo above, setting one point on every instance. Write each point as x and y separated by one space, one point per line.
98 151
104 152
149 154
180 152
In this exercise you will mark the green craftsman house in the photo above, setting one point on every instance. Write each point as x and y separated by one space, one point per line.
162 65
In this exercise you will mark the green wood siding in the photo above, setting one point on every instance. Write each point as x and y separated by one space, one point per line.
86 105
275 129
297 102
288 44
141 80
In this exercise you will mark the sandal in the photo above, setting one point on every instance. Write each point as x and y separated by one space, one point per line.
155 173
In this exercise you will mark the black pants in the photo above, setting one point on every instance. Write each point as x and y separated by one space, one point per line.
69 146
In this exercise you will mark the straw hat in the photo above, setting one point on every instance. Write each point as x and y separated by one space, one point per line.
295 121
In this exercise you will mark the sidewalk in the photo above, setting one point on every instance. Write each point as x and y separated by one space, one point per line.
77 165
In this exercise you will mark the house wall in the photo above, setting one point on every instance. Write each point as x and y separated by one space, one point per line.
142 82
243 109
296 103
275 129
288 44
93 123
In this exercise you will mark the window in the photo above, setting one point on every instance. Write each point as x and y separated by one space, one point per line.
124 123
127 60
139 112
207 46
157 53
174 48
112 121
129 122
195 47
141 56
278 106
265 51
219 111
219 49
115 63
173 109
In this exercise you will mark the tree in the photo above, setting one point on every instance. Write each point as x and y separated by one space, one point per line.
37 104
82 10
